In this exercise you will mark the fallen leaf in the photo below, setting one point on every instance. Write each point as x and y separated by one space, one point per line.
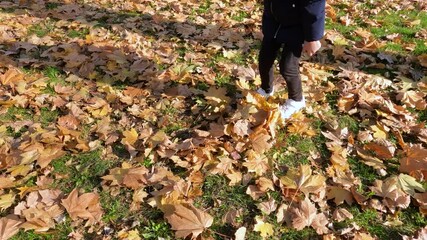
187 220
268 206
415 159
341 214
132 177
240 234
130 136
85 206
409 184
9 226
6 200
339 195
303 215
303 180
265 229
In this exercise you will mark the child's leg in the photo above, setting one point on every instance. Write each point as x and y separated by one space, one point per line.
267 55
289 68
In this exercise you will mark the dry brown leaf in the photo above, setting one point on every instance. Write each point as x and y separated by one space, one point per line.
85 206
339 195
392 195
260 141
256 163
382 148
48 154
304 215
370 160
132 177
303 180
268 206
69 121
9 226
413 99
363 236
341 214
187 220
415 159
242 128
422 201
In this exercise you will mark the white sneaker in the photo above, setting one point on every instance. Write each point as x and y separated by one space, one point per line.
290 107
265 94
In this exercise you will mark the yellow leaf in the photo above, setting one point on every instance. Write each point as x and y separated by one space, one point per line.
409 184
415 23
6 201
230 54
217 96
133 235
130 136
20 170
30 156
265 229
379 132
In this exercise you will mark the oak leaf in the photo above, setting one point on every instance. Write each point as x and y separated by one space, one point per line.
187 220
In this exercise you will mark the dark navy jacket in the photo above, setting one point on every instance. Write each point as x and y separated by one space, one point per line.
294 21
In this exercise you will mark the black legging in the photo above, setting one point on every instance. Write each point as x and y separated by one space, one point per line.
289 66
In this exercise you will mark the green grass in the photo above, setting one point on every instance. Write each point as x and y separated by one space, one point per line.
204 7
60 232
220 198
83 170
350 122
81 33
42 29
52 5
47 116
15 114
54 76
240 16
115 208
301 150
366 173
373 222
16 134
156 230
